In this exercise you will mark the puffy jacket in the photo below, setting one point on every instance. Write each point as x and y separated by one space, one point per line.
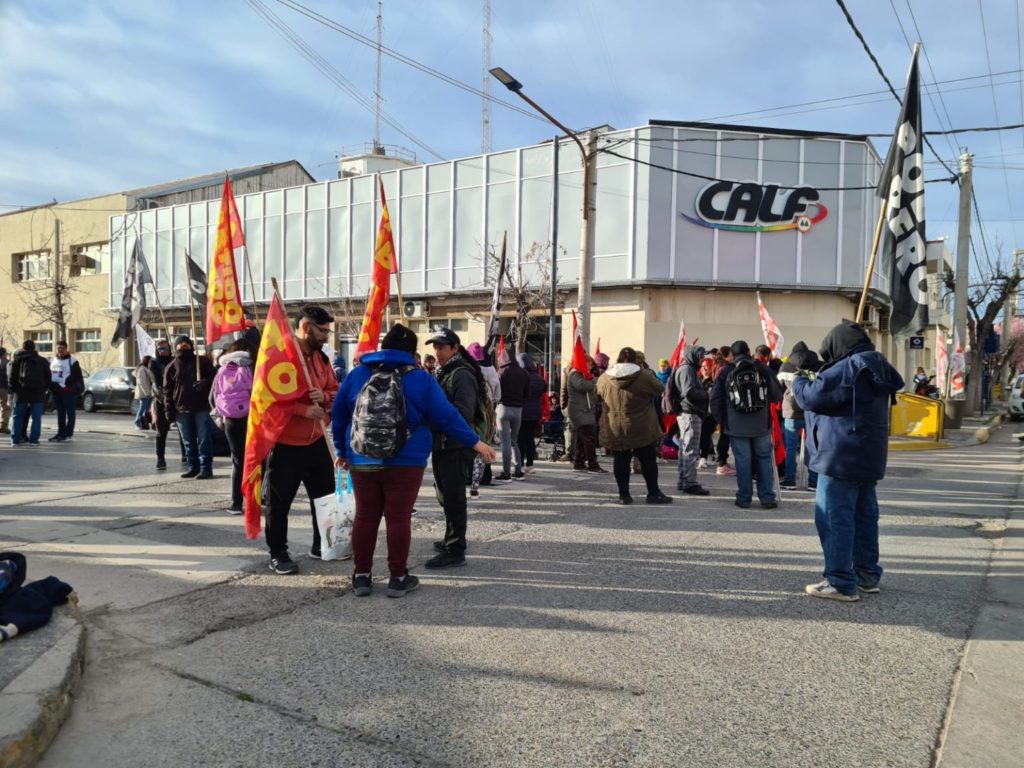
693 394
732 421
182 392
582 399
427 410
145 386
515 382
628 417
531 406
847 412
29 377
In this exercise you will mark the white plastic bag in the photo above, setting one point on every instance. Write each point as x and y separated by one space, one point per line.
335 514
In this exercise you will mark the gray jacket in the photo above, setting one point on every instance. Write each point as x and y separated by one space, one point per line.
738 424
582 399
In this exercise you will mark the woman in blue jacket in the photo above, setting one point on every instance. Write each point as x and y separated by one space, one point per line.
388 487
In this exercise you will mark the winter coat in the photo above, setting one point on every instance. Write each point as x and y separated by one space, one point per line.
182 393
66 374
628 417
339 368
427 410
229 400
532 405
846 407
4 363
691 389
145 385
794 363
29 377
738 424
515 382
158 366
582 399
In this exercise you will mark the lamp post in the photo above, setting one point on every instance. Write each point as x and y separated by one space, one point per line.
587 224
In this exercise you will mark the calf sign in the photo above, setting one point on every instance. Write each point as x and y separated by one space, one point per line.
747 206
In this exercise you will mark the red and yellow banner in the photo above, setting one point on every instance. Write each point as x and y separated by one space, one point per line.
384 263
277 383
223 300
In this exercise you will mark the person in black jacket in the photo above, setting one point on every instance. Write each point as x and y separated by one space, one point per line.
186 398
527 437
515 388
29 380
5 405
694 407
66 384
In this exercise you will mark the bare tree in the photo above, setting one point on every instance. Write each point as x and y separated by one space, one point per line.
50 298
527 286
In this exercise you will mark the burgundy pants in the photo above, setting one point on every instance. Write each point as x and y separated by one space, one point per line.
389 493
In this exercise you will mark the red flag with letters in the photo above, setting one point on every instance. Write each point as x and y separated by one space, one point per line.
277 382
223 300
384 264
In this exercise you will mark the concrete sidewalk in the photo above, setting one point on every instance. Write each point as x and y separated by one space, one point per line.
580 633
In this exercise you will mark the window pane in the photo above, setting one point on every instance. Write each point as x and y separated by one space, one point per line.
338 193
537 161
337 268
362 240
469 228
438 230
362 189
316 196
502 167
315 253
273 251
293 226
410 242
198 213
412 181
274 201
439 177
254 247
469 173
251 206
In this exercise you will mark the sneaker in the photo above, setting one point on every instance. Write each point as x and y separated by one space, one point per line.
439 546
789 485
400 587
283 565
580 469
184 460
234 509
55 439
314 553
519 475
161 464
68 439
725 469
743 505
412 512
812 488
625 499
208 474
33 444
696 490
869 589
597 470
362 584
445 559
825 590
702 464
769 504
502 478
658 498
474 492
190 473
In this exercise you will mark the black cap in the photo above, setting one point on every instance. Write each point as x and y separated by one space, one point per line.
740 348
401 338
445 336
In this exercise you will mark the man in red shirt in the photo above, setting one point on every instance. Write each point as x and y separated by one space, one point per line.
301 455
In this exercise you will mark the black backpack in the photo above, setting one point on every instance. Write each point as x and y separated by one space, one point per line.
379 426
34 374
672 398
748 391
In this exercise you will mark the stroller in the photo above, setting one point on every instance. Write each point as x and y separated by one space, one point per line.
553 434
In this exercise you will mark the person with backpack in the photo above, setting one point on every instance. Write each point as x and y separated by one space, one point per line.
29 380
515 388
463 385
145 386
385 419
481 472
232 391
66 384
583 417
740 401
689 401
186 397
531 415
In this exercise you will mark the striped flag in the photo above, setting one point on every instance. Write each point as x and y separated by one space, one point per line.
773 337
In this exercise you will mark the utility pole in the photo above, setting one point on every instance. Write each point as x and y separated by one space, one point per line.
587 238
963 250
485 123
553 311
377 94
60 327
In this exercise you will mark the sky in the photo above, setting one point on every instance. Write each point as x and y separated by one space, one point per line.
100 96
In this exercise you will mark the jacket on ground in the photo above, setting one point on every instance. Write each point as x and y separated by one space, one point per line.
628 417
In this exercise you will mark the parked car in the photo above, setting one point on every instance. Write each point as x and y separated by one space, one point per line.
48 404
112 389
1017 399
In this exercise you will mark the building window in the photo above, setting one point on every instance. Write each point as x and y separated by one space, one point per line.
88 341
93 259
32 266
43 340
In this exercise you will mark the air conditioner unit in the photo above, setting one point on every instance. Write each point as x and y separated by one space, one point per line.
870 316
414 310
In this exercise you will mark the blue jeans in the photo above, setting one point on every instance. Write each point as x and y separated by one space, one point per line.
846 516
747 451
791 429
196 430
21 411
66 402
140 416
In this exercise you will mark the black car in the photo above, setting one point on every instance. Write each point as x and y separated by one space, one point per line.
110 388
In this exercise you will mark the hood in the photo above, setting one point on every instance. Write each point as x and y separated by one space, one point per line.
505 360
527 362
843 340
623 374
694 356
184 354
12 571
388 358
241 357
798 355
339 361
21 354
884 379
811 361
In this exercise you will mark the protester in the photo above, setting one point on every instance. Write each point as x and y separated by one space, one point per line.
570 430
629 423
301 455
583 408
387 488
664 371
722 446
66 383
462 383
232 392
763 354
5 394
793 422
145 388
708 369
29 379
515 388
740 401
847 411
429 364
158 413
693 407
527 436
481 472
186 396
339 368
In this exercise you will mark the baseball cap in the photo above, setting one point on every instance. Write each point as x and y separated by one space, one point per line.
445 336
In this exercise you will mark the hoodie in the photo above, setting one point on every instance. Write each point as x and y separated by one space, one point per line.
531 405
30 377
182 391
847 406
339 368
735 423
692 394
628 417
797 361
515 382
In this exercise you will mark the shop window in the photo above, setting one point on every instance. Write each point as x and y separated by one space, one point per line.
88 340
32 266
43 340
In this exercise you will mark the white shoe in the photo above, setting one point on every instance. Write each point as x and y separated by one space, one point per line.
827 591
702 464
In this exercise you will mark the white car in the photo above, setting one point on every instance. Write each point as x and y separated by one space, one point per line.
1017 399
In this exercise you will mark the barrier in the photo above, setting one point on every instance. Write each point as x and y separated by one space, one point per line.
916 416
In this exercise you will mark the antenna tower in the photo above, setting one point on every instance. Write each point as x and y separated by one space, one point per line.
378 98
485 142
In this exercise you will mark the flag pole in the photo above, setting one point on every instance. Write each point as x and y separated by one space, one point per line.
192 314
252 283
871 261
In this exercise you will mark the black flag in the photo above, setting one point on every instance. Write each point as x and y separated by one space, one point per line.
197 287
903 243
133 301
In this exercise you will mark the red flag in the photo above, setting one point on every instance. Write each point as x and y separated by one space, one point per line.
579 353
677 353
773 337
384 264
223 300
501 347
277 384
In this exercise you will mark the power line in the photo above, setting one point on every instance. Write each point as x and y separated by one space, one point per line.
931 73
1019 64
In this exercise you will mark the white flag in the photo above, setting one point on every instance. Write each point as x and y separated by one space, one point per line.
773 337
144 342
957 367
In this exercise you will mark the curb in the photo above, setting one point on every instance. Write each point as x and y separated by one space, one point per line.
35 704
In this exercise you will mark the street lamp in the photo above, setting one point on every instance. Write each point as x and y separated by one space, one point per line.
586 228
